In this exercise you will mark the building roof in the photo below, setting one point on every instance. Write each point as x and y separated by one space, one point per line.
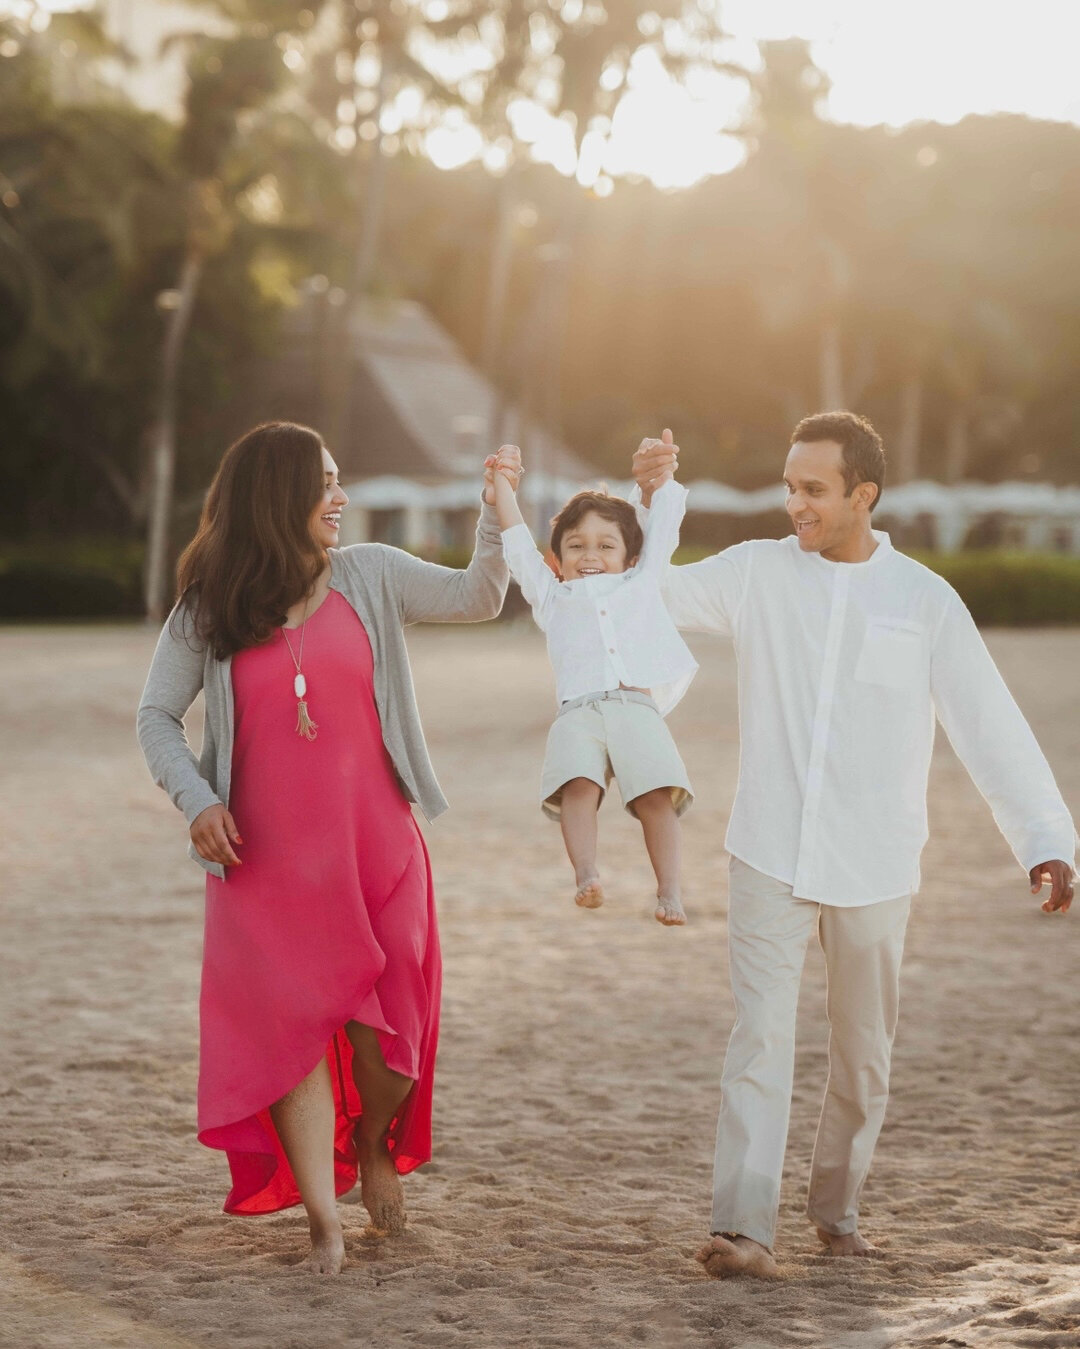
423 410
412 407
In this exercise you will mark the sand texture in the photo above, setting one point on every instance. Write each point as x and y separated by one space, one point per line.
579 1068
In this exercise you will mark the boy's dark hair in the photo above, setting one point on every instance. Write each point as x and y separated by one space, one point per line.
864 454
615 509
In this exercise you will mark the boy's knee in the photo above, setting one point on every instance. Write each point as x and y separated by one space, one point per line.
654 802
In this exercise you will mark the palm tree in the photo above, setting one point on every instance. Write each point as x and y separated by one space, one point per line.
228 79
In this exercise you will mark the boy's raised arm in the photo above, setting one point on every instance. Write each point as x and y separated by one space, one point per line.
506 507
661 526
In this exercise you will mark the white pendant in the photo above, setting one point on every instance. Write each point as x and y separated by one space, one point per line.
300 685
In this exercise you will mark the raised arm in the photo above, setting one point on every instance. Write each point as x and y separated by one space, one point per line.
429 593
997 747
661 526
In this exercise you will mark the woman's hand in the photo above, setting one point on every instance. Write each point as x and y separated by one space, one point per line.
213 832
508 463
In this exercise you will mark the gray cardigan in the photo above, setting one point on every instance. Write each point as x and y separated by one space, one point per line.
388 589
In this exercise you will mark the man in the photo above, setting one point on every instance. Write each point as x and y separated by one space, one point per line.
846 651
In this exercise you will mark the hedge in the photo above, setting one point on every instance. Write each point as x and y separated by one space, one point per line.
1021 590
71 578
100 579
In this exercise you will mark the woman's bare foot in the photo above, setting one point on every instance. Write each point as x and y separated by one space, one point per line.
380 1189
327 1248
852 1244
726 1259
590 894
670 912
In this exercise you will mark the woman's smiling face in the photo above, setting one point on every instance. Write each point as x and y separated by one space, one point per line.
326 517
593 546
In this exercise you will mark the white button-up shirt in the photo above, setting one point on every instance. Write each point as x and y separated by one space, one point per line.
612 629
842 668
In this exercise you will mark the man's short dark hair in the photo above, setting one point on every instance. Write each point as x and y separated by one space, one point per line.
615 509
863 453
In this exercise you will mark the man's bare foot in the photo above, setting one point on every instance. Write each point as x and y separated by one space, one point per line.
380 1189
852 1244
727 1259
670 912
327 1249
590 894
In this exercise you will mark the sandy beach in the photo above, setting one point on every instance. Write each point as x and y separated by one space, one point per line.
579 1066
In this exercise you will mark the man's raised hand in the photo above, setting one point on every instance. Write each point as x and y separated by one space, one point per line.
1059 876
654 462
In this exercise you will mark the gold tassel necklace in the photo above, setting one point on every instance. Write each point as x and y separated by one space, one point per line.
304 725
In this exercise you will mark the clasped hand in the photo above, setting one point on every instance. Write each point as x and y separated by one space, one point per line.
508 463
655 462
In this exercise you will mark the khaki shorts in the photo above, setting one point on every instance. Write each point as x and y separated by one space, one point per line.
605 736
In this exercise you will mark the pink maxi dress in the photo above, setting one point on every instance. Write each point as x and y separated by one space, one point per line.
331 917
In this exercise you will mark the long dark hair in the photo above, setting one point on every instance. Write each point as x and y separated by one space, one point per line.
254 555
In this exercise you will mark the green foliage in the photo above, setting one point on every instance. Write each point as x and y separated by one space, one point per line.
93 577
1013 589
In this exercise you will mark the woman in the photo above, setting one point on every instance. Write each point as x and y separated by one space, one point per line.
319 1011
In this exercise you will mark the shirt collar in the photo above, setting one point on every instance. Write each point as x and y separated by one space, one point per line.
884 547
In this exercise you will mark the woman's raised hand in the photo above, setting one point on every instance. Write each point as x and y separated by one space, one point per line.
213 833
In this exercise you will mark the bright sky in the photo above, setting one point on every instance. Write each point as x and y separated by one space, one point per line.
920 60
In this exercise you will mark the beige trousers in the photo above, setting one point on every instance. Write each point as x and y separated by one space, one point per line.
768 933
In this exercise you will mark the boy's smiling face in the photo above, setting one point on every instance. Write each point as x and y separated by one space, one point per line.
593 546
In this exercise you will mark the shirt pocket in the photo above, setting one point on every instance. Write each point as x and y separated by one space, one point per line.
893 653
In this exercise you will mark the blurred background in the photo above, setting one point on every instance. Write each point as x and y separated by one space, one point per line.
428 226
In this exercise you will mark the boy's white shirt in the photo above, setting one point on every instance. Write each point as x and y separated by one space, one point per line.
842 669
611 629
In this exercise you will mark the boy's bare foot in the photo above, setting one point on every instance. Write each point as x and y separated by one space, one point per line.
327 1249
851 1244
590 894
670 912
380 1189
727 1259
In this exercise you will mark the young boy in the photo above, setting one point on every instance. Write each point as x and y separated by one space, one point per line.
620 667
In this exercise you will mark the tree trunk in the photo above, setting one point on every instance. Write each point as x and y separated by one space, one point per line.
957 440
905 456
163 445
372 194
831 367
502 250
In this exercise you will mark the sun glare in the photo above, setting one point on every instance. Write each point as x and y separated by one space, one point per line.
928 60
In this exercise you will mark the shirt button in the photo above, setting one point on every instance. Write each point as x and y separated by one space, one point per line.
611 649
603 613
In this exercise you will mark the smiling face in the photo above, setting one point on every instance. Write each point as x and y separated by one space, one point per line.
827 520
326 517
591 547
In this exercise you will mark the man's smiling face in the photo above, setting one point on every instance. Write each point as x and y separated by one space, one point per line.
825 517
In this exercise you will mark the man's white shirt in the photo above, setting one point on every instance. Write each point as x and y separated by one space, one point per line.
610 629
842 668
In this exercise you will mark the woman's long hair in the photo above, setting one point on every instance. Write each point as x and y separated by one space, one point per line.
254 555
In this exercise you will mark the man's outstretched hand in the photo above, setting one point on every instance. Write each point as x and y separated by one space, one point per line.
654 462
1059 876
